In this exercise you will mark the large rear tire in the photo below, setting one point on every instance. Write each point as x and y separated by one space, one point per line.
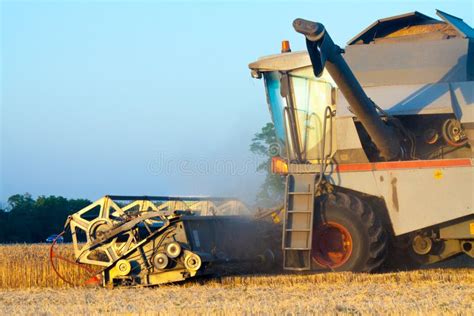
347 235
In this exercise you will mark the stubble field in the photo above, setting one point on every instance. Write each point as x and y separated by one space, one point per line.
29 286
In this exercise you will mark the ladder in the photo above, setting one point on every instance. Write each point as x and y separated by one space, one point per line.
298 221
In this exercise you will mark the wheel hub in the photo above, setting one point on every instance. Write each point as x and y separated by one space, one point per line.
332 245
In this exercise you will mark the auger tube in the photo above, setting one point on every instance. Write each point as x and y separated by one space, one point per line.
324 53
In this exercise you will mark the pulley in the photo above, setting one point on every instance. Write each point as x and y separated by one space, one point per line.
453 133
123 267
160 261
422 244
192 261
173 249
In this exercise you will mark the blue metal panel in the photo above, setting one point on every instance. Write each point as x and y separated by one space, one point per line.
276 103
457 23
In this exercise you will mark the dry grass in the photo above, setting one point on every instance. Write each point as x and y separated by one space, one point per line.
27 266
437 291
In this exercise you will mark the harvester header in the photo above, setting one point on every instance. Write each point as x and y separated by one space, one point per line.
154 240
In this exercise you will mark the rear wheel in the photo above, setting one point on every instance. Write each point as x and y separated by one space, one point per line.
347 235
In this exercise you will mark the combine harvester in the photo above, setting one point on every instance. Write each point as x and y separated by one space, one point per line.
370 181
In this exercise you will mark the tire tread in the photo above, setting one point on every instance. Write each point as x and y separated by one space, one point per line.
377 236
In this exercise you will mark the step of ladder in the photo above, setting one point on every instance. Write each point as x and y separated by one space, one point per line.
298 211
299 193
298 221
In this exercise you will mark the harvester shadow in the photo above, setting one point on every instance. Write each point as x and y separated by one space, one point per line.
459 262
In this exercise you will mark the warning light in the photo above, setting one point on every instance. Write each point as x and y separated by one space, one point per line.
279 165
285 46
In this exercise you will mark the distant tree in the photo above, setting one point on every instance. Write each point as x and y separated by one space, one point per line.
20 202
265 144
29 220
3 223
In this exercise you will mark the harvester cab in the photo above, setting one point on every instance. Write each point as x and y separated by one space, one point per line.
289 85
377 143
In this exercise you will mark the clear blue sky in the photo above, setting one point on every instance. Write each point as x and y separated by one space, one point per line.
96 97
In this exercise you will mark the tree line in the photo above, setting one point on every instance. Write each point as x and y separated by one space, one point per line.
29 220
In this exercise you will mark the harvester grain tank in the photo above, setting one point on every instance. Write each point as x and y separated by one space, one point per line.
378 143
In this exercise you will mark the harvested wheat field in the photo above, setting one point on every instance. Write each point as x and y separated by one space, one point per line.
27 286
